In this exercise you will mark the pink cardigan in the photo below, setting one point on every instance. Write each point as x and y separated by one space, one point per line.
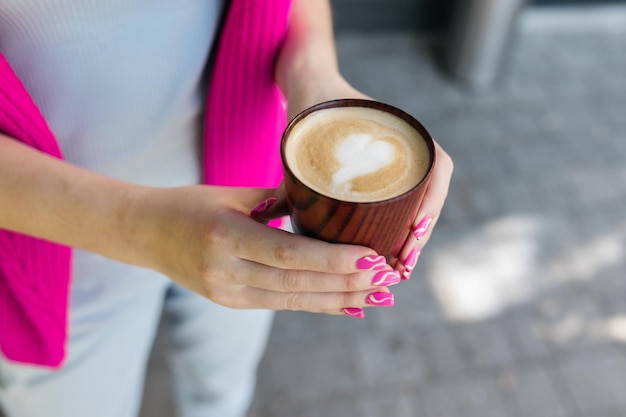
244 119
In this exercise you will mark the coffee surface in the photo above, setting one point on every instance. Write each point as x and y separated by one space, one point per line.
357 154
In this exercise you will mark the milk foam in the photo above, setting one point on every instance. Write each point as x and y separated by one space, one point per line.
357 154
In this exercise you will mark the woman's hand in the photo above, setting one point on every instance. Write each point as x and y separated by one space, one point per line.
333 86
201 237
204 238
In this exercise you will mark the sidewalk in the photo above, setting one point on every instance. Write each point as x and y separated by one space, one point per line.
518 305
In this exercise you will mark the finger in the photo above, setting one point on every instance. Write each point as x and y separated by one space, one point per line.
267 246
429 212
249 297
272 207
256 275
435 195
356 312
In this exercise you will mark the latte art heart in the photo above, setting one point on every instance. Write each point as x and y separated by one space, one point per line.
359 154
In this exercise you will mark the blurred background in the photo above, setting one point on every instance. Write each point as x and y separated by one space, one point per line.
518 304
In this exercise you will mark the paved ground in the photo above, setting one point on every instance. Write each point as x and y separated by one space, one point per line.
518 305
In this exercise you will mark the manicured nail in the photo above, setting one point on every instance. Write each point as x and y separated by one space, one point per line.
386 278
410 262
422 227
380 299
354 312
371 263
263 206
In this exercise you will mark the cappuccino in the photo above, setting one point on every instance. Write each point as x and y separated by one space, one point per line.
357 154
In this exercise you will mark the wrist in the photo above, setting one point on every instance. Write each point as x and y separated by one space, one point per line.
140 225
319 87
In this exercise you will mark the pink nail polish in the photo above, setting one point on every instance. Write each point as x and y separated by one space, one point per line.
263 206
422 227
380 299
371 263
354 312
410 262
386 278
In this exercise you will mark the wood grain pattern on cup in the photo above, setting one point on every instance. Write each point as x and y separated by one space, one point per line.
354 211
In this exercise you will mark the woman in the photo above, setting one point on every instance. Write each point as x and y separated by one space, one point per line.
121 86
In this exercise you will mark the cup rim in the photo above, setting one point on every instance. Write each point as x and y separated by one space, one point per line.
366 103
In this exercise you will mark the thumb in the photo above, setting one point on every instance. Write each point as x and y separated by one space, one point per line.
272 206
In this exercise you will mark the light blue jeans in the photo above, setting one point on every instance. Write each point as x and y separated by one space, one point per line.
115 311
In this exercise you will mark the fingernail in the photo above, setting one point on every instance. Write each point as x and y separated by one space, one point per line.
371 263
422 227
386 278
410 262
263 206
354 312
380 299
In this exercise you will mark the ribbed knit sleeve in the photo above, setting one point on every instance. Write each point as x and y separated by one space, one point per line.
246 112
245 116
34 274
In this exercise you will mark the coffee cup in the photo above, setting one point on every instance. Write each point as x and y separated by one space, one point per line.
356 172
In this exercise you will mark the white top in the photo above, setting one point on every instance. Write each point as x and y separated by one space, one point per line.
120 82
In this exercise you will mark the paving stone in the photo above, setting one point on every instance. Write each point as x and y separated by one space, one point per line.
348 406
537 394
390 358
486 344
595 378
306 372
526 336
416 307
475 396
403 403
566 320
444 355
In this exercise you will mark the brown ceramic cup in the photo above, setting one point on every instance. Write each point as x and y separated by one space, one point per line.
383 225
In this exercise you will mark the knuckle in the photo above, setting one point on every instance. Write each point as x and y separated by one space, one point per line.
217 236
334 263
353 282
293 281
220 296
218 287
295 301
283 255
